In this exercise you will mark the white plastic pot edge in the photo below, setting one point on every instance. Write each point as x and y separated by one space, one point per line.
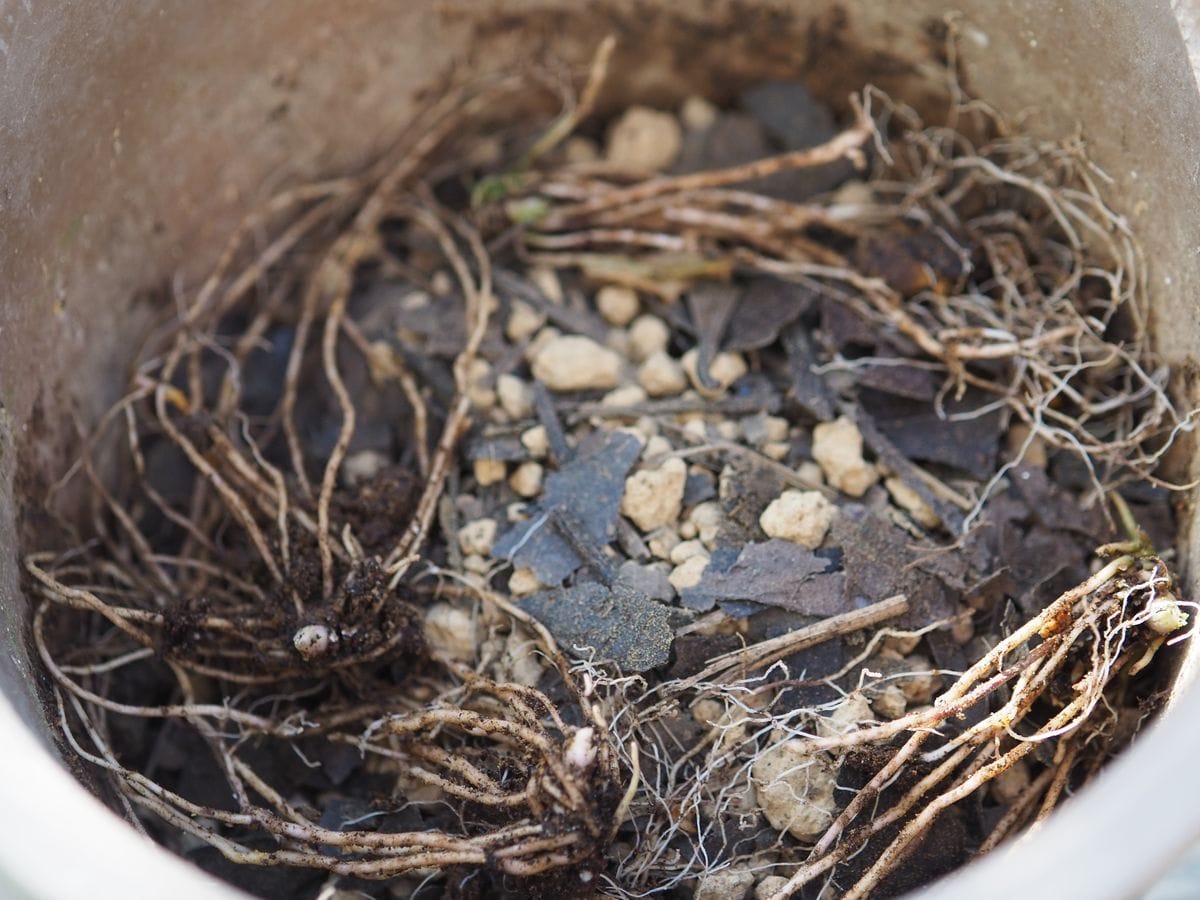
58 842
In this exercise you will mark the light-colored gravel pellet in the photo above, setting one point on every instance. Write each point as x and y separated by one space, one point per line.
688 573
515 396
837 448
478 536
647 335
697 113
535 441
643 140
662 376
523 581
802 517
661 542
618 305
576 363
629 395
795 789
891 702
653 497
526 479
706 518
547 282
685 550
523 322
452 631
480 391
489 471
769 887
727 884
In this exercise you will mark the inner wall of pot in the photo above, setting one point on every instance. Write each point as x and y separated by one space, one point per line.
136 138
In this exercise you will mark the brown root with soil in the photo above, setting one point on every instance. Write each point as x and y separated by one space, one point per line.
269 599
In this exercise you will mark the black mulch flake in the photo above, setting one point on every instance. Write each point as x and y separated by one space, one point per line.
590 487
774 573
618 623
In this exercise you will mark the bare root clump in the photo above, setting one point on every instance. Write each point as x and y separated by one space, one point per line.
1051 687
263 595
237 582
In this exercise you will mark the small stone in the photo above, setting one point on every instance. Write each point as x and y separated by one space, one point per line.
617 304
697 113
707 518
477 536
576 363
617 340
580 150
523 322
657 448
910 501
688 531
523 581
489 471
727 884
920 686
515 396
795 789
802 517
647 335
769 887
688 573
526 481
847 716
724 369
891 702
776 450
547 282
837 448
661 542
480 565
761 429
361 467
648 426
662 376
685 550
521 660
707 711
516 512
810 473
540 340
653 497
643 140
479 385
629 395
535 441
1011 783
728 430
451 631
